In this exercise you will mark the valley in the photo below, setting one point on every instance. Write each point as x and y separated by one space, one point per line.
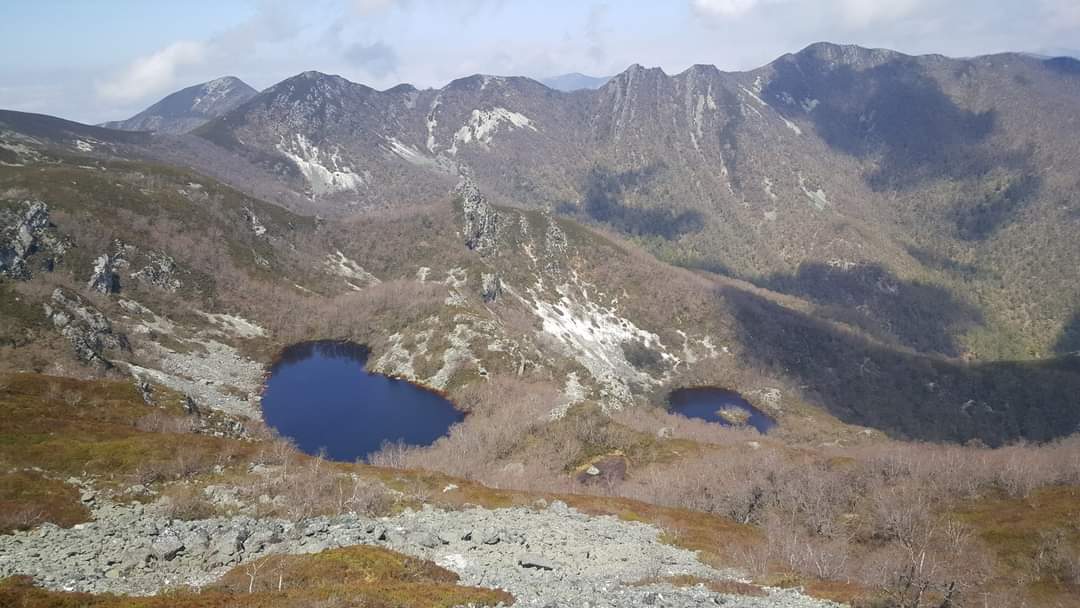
798 336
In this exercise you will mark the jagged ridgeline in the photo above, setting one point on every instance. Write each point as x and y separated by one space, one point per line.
917 192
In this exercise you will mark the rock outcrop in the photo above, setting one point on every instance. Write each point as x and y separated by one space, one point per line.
88 330
160 271
105 278
481 228
490 286
24 232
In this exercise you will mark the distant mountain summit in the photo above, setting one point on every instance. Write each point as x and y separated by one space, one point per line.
189 108
575 82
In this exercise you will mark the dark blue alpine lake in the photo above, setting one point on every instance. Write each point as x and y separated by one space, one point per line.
319 395
708 403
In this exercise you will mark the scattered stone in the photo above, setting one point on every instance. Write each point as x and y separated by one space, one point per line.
535 561
570 559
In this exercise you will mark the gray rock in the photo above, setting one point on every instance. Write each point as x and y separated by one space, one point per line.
537 562
481 220
86 328
160 271
104 278
427 540
166 548
261 539
22 234
490 286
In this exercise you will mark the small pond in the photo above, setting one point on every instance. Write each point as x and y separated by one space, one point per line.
718 405
319 395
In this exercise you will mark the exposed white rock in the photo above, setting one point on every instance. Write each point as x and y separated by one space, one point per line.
212 375
594 336
456 356
754 96
337 263
234 325
407 152
483 124
817 197
573 393
325 172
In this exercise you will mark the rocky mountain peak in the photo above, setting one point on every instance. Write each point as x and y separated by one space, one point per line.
847 54
189 108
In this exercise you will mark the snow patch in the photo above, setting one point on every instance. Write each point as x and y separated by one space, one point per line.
84 146
794 127
325 172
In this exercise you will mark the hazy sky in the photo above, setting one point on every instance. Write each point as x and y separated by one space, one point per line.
107 59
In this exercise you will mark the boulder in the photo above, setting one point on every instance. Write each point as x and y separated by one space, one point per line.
104 279
427 540
166 548
536 562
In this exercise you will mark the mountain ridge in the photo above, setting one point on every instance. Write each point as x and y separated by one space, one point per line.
189 107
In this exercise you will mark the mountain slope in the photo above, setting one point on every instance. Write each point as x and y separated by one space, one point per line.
189 108
574 81
864 169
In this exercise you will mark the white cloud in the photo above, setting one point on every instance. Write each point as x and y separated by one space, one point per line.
368 7
851 14
857 14
725 8
153 73
1062 14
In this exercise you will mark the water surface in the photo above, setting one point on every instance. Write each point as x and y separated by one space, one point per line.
706 404
319 395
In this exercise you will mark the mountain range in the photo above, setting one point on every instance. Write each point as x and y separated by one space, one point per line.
927 204
830 172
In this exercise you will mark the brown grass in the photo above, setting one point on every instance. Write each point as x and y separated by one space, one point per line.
725 586
28 498
353 576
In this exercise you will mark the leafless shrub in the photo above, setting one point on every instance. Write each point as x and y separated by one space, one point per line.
160 422
1056 559
188 503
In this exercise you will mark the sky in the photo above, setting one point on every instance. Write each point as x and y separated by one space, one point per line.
100 60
